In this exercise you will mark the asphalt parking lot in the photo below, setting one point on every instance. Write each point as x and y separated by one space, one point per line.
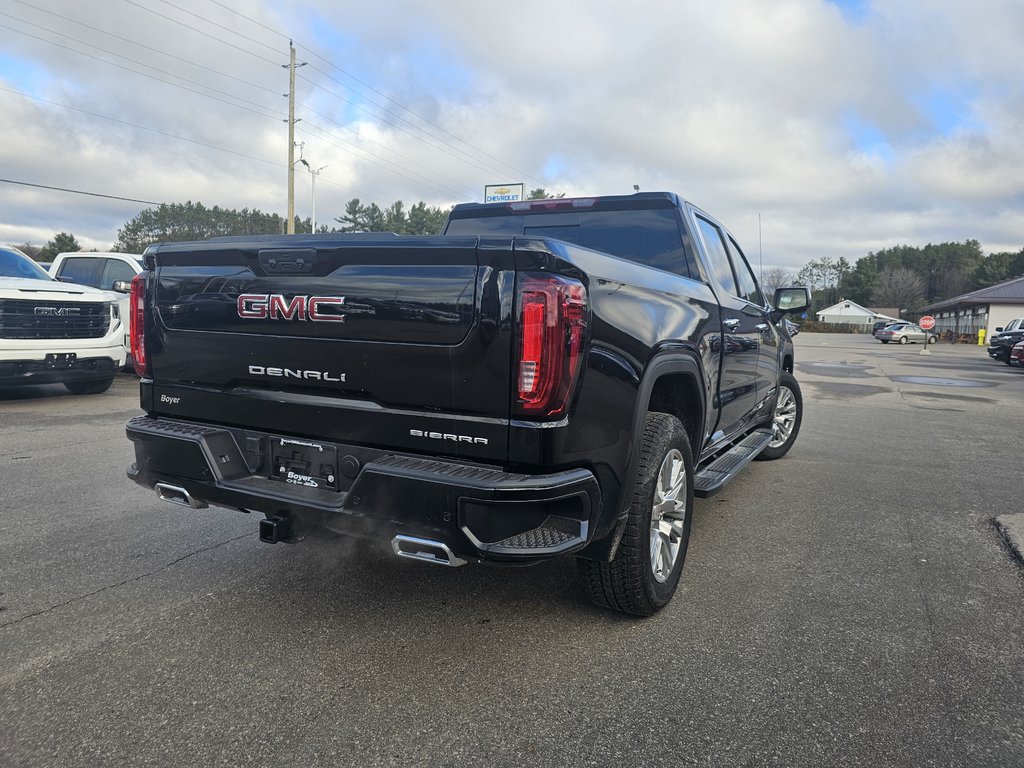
850 605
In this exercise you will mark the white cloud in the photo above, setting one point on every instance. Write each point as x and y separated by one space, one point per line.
741 106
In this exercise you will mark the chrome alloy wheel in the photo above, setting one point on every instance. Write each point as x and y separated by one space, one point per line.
785 417
668 515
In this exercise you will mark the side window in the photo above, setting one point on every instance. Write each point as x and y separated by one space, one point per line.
115 270
748 284
84 271
718 255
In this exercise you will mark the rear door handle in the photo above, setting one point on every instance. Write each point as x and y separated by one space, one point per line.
731 324
761 327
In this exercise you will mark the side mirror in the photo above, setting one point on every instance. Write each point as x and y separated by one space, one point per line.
791 300
122 286
999 328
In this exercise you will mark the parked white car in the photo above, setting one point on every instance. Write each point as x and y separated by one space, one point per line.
55 332
109 272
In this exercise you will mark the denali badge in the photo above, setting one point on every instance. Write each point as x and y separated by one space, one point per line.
274 306
445 436
58 311
295 373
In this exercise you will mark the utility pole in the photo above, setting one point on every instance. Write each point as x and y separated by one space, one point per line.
290 225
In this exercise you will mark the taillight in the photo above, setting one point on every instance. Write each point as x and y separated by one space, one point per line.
137 324
551 314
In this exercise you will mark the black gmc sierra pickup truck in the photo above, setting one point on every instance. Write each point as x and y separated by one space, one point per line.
544 378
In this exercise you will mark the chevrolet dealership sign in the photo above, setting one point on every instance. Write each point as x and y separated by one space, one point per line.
504 193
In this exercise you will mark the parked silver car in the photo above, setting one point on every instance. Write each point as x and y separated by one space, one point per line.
904 333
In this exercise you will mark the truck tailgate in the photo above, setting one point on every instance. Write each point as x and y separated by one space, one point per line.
379 340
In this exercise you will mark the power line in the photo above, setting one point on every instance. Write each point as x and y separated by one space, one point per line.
169 135
366 155
438 146
369 140
141 127
250 19
148 48
138 72
219 26
382 162
411 112
468 157
201 32
79 192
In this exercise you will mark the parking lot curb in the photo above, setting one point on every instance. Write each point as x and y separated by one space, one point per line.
1011 527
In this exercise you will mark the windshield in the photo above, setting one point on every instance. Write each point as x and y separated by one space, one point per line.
16 264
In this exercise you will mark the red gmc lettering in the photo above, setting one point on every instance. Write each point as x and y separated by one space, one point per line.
252 306
296 309
274 306
314 308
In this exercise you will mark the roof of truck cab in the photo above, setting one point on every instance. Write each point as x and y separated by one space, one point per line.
638 200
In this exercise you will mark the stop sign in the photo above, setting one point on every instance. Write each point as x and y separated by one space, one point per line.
927 322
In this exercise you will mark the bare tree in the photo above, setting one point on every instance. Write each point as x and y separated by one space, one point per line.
898 287
776 277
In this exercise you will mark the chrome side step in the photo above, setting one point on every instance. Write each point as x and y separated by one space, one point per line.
425 550
177 495
711 479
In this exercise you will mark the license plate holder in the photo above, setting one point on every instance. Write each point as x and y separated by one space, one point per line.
61 361
304 463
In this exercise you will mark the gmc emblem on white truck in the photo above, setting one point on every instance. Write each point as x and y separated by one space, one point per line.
275 306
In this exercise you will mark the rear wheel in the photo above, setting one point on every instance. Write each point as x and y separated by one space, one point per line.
884 341
88 387
789 412
643 576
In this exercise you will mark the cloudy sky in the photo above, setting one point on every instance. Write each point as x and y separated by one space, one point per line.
845 126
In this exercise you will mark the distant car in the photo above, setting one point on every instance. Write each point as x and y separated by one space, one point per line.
905 333
1000 345
1014 325
1017 355
880 324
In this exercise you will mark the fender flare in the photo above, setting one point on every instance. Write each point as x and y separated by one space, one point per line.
668 363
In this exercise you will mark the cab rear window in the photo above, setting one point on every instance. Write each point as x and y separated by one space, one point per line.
649 237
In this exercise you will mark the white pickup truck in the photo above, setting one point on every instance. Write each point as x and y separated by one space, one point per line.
52 332
111 273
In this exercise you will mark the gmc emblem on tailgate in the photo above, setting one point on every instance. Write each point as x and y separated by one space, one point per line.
274 306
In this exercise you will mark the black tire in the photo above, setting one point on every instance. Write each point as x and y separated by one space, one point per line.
629 583
884 341
786 419
88 387
933 339
903 339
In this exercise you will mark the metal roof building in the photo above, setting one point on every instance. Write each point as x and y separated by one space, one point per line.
987 308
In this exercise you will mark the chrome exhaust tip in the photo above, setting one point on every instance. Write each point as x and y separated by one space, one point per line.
425 550
177 495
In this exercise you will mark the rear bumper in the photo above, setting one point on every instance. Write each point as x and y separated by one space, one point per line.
478 511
